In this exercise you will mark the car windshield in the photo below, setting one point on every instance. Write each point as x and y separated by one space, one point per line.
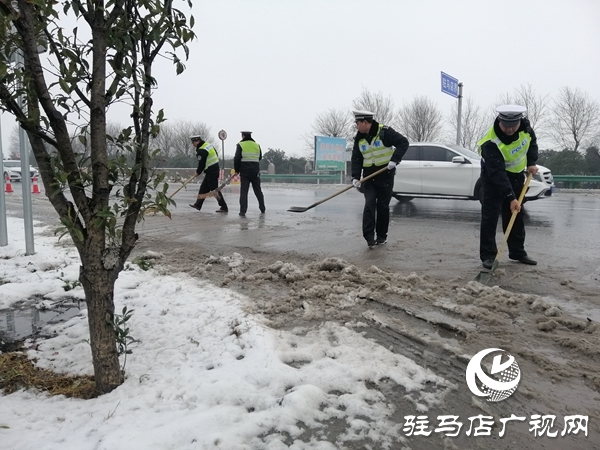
11 163
464 151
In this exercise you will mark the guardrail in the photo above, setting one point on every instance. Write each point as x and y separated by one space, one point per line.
577 181
308 178
311 178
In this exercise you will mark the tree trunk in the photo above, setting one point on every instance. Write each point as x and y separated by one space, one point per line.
99 286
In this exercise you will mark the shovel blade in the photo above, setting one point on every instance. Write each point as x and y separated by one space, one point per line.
298 209
484 276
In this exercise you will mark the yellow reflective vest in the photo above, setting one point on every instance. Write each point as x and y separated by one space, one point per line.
375 153
250 151
514 154
212 157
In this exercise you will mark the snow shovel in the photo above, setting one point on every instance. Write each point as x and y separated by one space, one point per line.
484 276
216 191
300 209
154 210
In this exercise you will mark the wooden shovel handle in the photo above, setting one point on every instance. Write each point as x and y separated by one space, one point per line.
514 215
183 185
362 180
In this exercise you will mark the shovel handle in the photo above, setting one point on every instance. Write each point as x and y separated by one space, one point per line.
183 185
214 192
514 215
362 180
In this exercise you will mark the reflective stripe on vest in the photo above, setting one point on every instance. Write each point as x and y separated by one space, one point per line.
250 151
514 154
212 157
375 153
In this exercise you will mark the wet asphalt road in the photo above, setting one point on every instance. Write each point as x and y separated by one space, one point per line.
436 238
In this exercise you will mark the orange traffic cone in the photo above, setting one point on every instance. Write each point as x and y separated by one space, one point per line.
8 185
35 189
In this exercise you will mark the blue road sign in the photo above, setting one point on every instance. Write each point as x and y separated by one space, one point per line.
449 85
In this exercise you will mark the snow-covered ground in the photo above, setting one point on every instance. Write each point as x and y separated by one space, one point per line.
203 374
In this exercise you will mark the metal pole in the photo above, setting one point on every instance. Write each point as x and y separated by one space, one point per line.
3 225
223 157
25 178
460 96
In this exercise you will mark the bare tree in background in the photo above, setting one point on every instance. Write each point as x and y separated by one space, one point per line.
420 120
14 144
335 123
575 119
332 123
474 123
165 143
174 138
535 103
382 107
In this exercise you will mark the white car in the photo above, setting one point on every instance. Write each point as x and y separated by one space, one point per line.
431 170
12 168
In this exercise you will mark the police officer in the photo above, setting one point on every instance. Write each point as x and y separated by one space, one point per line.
208 162
375 146
507 150
247 155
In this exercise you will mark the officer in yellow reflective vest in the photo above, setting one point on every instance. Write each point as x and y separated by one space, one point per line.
375 146
208 162
246 162
508 150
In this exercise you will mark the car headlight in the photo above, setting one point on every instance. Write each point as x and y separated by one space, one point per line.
538 176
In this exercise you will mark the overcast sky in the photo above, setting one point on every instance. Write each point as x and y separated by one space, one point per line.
271 66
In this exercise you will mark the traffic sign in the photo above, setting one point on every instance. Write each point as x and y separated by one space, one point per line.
222 135
449 85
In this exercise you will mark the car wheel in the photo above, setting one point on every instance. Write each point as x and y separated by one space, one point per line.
402 198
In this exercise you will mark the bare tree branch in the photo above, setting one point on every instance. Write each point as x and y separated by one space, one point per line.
474 124
420 120
382 107
536 104
333 123
576 119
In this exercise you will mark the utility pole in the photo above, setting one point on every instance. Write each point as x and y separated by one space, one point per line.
458 121
25 173
454 88
3 225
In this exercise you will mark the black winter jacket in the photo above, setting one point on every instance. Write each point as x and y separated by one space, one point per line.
389 137
202 154
493 172
246 166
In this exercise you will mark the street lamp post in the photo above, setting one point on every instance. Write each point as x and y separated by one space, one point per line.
459 119
3 224
25 174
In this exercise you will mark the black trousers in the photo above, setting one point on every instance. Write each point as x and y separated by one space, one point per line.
210 183
493 205
247 178
376 215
